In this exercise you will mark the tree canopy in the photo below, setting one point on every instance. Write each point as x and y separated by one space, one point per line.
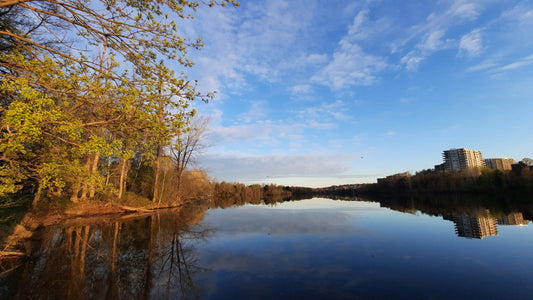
85 87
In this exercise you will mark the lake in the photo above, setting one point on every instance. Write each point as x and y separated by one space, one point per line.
313 249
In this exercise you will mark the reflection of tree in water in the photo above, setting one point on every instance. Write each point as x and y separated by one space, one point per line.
176 261
127 258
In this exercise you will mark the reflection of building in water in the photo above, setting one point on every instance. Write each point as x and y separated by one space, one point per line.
474 227
515 218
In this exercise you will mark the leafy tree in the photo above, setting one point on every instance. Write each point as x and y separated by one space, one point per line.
62 110
140 31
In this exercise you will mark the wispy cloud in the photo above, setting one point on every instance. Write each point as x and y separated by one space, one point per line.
261 40
515 65
247 167
324 111
258 111
431 35
350 66
471 44
301 89
482 66
432 41
522 12
412 60
492 67
239 133
465 9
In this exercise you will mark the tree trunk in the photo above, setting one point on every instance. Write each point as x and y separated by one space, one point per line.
157 168
75 191
108 176
122 181
37 197
85 185
94 169
162 192
178 184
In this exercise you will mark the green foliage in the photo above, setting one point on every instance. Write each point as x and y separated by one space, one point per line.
63 113
11 175
234 194
477 181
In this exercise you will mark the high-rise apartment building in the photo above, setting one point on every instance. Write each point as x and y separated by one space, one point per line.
459 159
499 163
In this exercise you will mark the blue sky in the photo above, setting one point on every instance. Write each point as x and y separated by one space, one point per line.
317 93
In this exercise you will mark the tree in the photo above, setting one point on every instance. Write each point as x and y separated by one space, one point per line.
527 161
140 31
62 110
187 144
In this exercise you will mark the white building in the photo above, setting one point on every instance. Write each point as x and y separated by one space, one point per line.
459 159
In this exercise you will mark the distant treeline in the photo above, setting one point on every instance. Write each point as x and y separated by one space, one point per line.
335 192
232 194
475 180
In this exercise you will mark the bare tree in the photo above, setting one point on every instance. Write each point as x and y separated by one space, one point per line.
186 146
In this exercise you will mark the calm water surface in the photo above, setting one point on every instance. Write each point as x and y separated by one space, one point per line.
316 248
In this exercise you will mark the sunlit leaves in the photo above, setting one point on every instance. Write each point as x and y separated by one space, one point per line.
63 110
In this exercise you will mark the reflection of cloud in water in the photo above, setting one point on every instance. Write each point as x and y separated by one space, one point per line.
281 222
282 263
326 204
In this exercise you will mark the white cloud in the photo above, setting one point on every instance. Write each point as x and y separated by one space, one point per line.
357 24
302 89
260 39
493 67
350 66
314 124
515 65
323 112
433 41
314 59
483 66
258 111
471 44
412 60
429 36
466 10
235 167
239 133
522 12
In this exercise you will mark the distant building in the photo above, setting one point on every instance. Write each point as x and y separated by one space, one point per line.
503 163
459 159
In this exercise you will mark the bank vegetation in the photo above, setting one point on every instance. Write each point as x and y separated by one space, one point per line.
90 109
